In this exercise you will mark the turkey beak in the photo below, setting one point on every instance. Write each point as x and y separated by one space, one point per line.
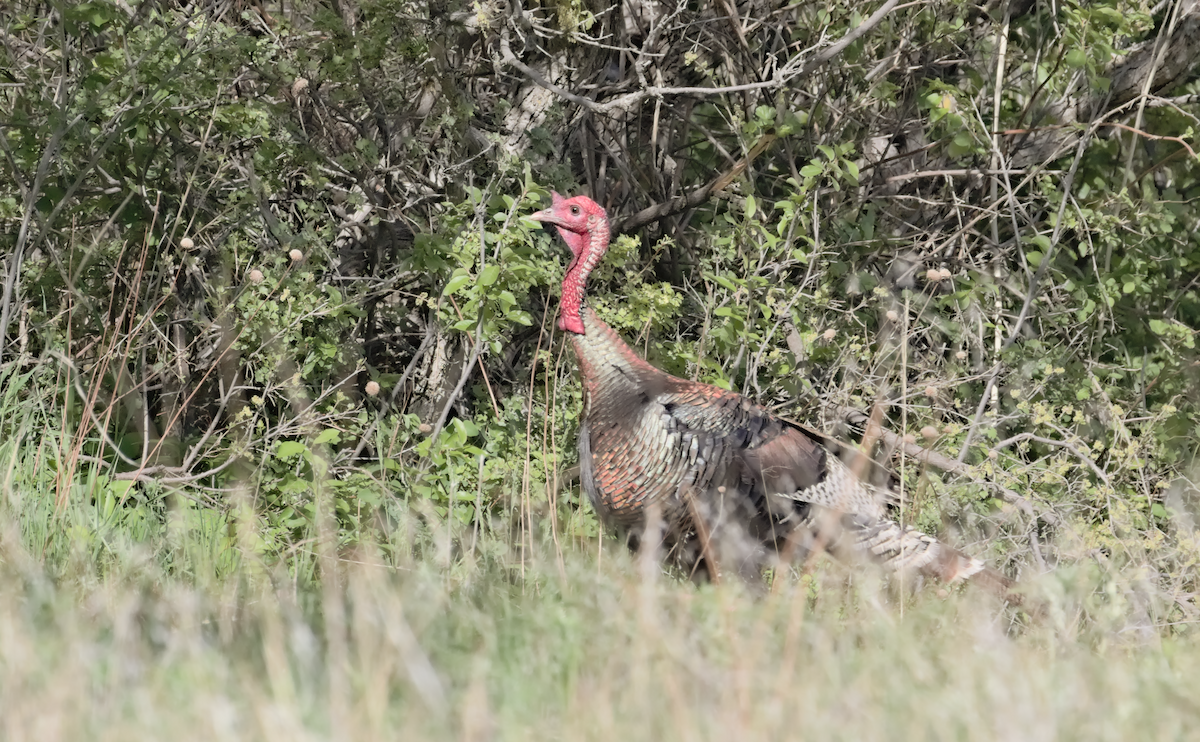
550 216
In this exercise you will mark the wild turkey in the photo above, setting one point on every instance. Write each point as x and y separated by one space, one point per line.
731 486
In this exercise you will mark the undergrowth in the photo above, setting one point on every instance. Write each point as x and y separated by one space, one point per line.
409 638
117 622
286 431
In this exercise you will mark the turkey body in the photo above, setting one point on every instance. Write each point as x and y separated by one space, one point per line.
724 485
681 457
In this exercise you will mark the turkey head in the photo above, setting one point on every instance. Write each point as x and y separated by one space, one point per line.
583 225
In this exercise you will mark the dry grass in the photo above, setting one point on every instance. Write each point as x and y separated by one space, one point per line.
417 647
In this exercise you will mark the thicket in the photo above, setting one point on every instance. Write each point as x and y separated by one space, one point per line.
270 266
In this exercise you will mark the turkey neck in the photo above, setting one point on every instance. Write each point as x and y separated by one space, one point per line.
610 370
587 247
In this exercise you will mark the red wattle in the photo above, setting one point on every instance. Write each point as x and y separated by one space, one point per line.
570 323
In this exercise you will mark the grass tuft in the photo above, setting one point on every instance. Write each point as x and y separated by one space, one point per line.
382 648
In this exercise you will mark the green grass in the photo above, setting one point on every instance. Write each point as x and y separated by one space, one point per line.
554 644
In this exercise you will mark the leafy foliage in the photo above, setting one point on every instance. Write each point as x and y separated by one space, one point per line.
271 274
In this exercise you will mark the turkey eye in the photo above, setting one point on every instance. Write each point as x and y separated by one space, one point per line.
575 211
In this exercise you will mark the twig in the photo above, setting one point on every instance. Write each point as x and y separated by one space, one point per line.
1161 44
625 102
696 197
1147 135
480 213
422 349
849 38
1060 444
1155 101
945 463
1034 287
958 174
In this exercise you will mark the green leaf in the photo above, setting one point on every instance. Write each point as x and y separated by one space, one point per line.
295 486
466 427
288 449
489 275
520 316
329 435
120 489
368 495
1158 327
455 283
811 170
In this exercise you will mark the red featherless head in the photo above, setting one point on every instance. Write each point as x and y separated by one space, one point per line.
583 225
